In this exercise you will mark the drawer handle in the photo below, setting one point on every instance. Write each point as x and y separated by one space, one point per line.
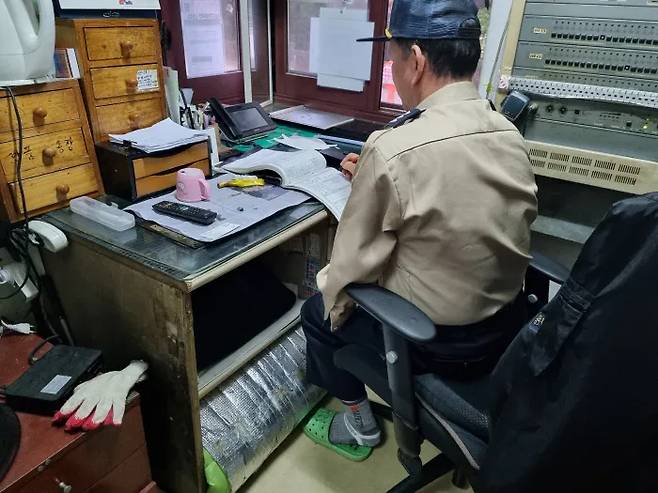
126 48
63 487
63 189
134 120
131 83
40 113
48 155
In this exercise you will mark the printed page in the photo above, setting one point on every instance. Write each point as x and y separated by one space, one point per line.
289 165
328 186
237 209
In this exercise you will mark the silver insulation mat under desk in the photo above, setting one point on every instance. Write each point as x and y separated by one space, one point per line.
247 417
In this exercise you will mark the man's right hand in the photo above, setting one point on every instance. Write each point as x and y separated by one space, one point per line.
349 164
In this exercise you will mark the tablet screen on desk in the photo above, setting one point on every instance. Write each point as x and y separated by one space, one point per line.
248 119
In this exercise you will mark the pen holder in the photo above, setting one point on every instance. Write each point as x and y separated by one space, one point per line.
191 185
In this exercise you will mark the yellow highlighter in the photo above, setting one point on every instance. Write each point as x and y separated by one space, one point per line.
242 183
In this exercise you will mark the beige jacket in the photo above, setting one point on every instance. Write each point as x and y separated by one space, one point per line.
439 213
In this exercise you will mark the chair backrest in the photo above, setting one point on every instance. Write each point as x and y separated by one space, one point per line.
575 403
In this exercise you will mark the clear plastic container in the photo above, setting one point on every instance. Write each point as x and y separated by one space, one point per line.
104 214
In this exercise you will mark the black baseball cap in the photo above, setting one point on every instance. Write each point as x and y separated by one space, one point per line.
432 19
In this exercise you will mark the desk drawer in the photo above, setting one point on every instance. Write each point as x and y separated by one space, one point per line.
127 44
45 154
152 165
156 183
60 186
39 109
124 81
96 457
122 118
131 476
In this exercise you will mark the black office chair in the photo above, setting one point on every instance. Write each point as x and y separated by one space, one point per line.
576 390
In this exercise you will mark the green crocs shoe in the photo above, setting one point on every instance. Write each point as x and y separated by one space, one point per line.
215 477
317 429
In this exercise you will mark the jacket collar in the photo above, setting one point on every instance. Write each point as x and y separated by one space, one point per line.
458 91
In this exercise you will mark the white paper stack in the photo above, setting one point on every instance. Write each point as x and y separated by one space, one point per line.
303 143
162 136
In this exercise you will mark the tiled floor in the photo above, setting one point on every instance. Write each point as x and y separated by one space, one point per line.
300 466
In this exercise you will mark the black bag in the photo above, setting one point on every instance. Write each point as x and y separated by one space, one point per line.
10 438
575 403
234 309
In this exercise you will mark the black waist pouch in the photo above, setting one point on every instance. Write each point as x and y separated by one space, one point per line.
235 308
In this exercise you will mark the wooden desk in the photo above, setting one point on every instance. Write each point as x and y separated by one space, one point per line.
131 294
108 460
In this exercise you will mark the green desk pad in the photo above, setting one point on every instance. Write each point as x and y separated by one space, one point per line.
268 141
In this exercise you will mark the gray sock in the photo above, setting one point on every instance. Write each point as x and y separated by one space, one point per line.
355 426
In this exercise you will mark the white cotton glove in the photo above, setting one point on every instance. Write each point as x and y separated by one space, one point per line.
105 394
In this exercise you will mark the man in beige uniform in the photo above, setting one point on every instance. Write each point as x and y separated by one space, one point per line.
440 213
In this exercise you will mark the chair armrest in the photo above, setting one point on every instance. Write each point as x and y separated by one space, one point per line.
549 268
393 311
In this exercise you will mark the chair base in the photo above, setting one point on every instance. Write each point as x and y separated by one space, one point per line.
433 470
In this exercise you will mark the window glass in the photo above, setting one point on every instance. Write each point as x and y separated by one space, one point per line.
210 37
390 95
300 13
484 14
260 55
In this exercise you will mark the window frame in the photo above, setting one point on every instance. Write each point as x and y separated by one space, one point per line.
227 88
291 88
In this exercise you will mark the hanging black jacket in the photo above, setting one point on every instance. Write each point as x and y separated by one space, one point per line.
576 394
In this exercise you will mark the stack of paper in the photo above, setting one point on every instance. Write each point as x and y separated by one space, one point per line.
162 136
303 143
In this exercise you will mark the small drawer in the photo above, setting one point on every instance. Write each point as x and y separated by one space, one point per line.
128 80
40 109
60 186
131 476
152 165
157 183
122 118
45 154
127 44
96 457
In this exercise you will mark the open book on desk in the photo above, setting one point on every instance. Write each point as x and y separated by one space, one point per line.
305 171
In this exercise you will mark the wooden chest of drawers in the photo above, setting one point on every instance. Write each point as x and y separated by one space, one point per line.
133 174
121 67
58 157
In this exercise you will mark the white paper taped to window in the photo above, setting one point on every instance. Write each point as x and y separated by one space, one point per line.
337 82
314 46
345 14
339 53
203 37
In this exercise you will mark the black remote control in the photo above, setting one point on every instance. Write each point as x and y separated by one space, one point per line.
185 212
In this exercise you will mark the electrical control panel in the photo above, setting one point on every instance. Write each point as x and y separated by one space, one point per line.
590 69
